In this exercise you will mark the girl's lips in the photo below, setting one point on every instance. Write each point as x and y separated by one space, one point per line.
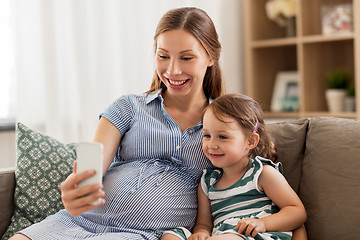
213 155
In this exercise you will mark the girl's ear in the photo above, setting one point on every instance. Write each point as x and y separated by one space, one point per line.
253 140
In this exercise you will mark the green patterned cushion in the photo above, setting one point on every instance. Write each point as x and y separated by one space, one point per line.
42 164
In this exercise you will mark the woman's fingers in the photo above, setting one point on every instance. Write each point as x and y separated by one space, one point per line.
78 200
73 179
80 205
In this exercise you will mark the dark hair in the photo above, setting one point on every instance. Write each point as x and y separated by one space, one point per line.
200 25
247 112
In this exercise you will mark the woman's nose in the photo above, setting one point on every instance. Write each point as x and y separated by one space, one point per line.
173 68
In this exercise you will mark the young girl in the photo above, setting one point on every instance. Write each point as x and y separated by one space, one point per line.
241 197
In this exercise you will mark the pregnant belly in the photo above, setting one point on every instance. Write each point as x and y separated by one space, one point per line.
149 196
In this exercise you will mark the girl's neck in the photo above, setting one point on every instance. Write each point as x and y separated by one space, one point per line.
231 175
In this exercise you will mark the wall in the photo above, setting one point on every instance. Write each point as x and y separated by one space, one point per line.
7 149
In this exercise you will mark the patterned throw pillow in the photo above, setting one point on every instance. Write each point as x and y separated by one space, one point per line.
42 164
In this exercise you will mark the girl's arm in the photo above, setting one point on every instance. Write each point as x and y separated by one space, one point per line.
299 233
77 200
204 224
292 213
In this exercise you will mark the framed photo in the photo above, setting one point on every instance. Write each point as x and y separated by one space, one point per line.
337 19
285 97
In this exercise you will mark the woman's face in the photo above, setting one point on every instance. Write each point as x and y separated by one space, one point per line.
181 62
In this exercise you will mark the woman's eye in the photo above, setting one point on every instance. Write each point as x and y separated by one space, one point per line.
186 58
163 57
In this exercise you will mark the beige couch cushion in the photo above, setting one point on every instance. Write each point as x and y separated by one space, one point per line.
330 186
7 187
289 138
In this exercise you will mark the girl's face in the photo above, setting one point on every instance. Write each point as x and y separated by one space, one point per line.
181 62
225 143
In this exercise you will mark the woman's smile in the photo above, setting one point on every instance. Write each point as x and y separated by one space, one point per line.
177 82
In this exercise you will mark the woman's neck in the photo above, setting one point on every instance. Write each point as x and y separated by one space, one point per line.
185 111
185 103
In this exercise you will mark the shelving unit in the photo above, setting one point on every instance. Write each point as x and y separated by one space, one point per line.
311 54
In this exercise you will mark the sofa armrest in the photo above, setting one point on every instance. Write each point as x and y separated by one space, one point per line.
7 188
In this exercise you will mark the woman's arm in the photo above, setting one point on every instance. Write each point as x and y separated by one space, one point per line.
77 200
110 137
204 224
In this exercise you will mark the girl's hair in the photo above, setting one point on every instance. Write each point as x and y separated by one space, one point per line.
248 113
200 25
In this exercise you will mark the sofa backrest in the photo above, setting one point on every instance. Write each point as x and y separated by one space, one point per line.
289 138
7 187
323 167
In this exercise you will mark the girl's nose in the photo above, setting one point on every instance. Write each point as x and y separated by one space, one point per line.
173 68
212 144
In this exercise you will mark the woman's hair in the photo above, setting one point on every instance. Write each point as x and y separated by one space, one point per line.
200 25
249 115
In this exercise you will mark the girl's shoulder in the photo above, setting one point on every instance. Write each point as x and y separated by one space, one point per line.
209 177
261 162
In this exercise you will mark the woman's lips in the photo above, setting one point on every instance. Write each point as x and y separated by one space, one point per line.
177 82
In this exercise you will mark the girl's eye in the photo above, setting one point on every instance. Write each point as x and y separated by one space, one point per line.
206 136
222 137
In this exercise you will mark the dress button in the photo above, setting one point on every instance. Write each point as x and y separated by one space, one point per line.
177 147
190 131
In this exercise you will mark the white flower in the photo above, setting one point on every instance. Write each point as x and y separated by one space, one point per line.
280 10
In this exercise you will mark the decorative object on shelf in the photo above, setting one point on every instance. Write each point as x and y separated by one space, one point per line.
283 12
338 81
285 97
337 19
350 99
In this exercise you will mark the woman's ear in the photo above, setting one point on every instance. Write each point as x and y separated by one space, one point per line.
253 140
211 62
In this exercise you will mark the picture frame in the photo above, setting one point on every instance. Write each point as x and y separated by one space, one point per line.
285 97
337 19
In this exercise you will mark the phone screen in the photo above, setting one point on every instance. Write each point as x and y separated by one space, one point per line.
89 157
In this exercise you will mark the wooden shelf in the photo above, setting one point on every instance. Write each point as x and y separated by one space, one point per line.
268 51
309 114
274 42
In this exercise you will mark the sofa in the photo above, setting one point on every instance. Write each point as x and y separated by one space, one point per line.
321 161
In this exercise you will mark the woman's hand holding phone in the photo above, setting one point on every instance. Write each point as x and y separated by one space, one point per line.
82 190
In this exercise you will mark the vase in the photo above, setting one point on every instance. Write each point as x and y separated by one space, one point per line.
350 104
291 27
335 99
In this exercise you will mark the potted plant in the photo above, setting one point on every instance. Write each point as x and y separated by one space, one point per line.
350 98
338 81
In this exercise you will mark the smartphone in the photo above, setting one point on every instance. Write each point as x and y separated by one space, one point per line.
89 156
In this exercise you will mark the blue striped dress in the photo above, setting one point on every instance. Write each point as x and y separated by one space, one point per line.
151 185
241 200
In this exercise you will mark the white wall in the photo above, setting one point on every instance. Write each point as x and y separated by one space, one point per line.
231 38
7 149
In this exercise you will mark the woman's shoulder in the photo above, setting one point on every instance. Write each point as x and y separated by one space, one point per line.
134 99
